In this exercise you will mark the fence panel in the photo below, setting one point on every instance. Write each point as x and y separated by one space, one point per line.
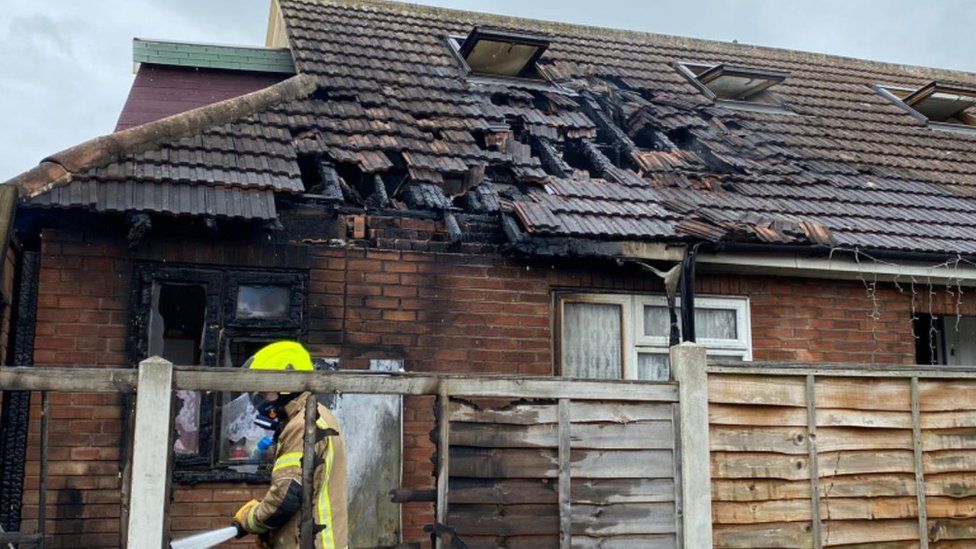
824 456
506 460
948 440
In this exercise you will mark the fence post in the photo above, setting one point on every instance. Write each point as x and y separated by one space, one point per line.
151 454
688 369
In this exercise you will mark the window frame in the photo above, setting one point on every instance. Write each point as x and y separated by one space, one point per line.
626 331
220 328
887 91
635 343
292 321
684 68
542 83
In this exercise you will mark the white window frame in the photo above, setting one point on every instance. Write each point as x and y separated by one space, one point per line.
633 340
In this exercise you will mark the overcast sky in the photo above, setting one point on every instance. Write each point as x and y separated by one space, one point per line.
66 65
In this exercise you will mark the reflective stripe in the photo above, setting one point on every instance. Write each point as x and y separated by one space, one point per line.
251 523
293 459
325 502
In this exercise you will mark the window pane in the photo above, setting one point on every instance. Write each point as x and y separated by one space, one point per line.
263 301
653 366
715 323
592 340
657 321
709 323
239 436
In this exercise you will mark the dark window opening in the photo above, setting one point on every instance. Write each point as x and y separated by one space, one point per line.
176 334
929 343
735 84
495 52
945 339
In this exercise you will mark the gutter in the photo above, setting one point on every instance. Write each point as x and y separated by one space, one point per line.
820 262
767 259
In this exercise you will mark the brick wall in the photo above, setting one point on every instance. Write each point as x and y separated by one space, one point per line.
437 311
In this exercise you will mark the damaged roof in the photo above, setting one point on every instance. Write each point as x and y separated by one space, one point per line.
613 142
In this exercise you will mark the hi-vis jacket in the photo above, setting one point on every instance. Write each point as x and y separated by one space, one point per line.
277 517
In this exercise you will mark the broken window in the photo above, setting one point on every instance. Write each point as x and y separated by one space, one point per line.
239 436
176 334
614 336
495 52
215 317
730 83
936 102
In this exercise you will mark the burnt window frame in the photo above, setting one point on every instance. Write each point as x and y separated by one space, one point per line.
292 321
684 68
888 92
220 328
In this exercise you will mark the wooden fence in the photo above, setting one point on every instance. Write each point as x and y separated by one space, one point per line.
800 455
509 463
600 455
821 456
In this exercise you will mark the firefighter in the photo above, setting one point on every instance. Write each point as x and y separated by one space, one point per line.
276 518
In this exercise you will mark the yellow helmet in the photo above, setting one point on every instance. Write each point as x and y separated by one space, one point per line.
281 356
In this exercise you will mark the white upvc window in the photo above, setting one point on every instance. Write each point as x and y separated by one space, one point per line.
620 336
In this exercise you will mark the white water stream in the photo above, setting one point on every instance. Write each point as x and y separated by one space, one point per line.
205 540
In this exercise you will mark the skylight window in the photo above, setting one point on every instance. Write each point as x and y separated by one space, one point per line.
739 83
942 102
734 85
495 52
941 105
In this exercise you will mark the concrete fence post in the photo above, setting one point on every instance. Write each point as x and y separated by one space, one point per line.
151 454
688 369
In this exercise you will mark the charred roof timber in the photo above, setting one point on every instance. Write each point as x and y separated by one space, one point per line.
497 52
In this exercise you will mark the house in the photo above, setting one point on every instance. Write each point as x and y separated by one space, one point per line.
463 192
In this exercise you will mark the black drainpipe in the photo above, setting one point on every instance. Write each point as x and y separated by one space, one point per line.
15 413
688 293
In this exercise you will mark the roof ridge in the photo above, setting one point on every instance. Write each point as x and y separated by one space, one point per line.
58 168
410 7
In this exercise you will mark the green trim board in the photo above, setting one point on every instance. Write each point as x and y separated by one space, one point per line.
243 58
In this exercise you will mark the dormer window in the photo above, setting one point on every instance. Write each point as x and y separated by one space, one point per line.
734 85
495 52
941 105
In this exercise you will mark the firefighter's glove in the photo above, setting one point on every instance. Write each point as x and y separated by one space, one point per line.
241 516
